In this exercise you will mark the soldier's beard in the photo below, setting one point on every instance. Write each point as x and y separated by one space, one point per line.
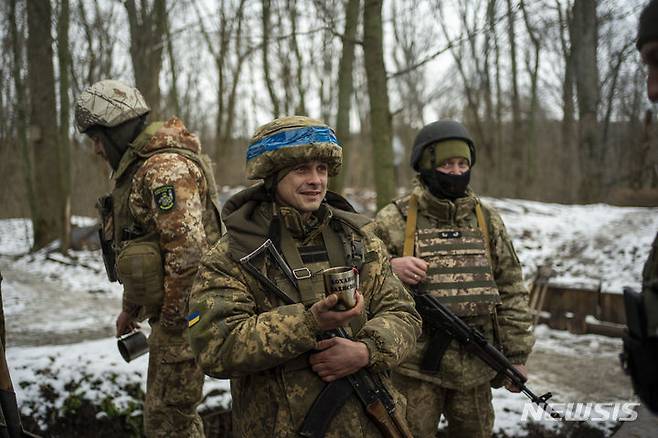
444 185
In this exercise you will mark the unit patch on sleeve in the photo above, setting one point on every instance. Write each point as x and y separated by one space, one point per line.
165 197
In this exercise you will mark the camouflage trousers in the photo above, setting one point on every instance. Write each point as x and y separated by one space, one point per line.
174 387
469 412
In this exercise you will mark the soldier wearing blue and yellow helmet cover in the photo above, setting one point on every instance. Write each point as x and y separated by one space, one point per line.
269 349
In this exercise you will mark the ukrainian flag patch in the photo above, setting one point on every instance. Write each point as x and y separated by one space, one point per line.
193 318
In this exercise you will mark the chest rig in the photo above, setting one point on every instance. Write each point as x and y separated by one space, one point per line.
119 229
460 270
330 244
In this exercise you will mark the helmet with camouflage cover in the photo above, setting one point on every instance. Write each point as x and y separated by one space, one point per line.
108 104
288 141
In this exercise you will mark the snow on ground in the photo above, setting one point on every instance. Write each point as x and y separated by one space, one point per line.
585 244
60 310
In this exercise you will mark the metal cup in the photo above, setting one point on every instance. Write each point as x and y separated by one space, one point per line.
342 281
132 345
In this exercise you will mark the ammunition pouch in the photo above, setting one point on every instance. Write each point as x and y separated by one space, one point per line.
140 270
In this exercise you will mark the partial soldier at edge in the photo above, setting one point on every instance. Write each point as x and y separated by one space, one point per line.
640 356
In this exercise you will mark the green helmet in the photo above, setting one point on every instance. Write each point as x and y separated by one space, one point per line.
291 140
108 104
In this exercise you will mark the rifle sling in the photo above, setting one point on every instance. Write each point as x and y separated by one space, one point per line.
410 227
325 407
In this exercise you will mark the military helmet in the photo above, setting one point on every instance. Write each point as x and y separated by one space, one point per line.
108 104
291 140
438 131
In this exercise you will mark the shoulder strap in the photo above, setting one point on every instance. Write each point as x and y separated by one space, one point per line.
482 224
410 229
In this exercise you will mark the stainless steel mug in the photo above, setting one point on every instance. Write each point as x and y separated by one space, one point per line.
342 281
132 345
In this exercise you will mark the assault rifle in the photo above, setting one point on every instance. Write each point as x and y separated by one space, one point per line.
10 419
449 326
371 392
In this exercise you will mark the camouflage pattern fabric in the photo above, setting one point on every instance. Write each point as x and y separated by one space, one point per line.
181 231
245 333
469 412
650 289
2 317
174 387
300 146
184 229
459 369
460 275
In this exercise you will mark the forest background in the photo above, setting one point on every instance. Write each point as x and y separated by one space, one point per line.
553 91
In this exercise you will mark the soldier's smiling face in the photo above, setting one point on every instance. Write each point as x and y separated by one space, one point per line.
304 186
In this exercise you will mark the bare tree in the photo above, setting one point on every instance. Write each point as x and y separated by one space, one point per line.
517 134
147 30
266 26
21 106
48 221
532 67
380 117
64 58
346 87
584 40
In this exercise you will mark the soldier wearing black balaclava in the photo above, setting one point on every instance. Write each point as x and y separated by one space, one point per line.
457 250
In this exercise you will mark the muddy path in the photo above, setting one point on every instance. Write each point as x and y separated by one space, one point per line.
42 311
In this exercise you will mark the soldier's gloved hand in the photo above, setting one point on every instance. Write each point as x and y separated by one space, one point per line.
523 371
339 357
329 319
409 269
125 323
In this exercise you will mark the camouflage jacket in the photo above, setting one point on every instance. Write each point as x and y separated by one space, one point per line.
650 289
170 195
245 333
460 369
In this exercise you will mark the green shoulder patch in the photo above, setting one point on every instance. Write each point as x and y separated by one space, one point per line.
165 197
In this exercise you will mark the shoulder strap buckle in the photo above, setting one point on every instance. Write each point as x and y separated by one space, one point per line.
301 273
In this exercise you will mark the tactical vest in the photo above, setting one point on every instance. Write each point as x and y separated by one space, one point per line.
131 252
339 244
460 271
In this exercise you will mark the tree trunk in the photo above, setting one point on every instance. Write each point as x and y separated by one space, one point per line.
64 58
530 162
380 117
516 150
266 64
584 33
20 108
568 153
345 89
147 29
174 100
47 223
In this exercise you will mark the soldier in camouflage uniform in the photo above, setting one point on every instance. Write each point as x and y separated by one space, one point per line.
470 265
270 350
159 219
640 357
